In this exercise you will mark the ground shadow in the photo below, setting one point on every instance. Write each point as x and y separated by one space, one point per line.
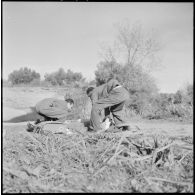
86 122
31 116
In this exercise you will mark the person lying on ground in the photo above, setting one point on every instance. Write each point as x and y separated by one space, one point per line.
51 109
109 97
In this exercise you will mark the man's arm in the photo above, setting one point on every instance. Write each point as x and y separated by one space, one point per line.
112 84
94 97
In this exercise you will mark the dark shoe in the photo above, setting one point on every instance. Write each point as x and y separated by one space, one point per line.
30 127
91 130
123 126
37 121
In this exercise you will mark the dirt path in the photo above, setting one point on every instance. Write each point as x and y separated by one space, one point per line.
18 101
169 128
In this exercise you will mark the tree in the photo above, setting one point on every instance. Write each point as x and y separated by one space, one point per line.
61 77
51 78
137 50
133 46
178 97
186 94
23 75
107 69
71 76
135 79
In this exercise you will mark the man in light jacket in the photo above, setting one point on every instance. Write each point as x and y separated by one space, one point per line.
54 109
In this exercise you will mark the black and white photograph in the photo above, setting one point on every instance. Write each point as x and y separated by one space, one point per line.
97 97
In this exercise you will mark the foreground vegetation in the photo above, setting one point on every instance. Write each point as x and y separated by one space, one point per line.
107 162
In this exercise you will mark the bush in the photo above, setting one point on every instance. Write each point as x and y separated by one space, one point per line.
51 78
23 76
178 97
140 85
187 94
6 83
61 77
82 103
35 83
106 69
181 110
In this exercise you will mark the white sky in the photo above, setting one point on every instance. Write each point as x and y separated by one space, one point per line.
45 36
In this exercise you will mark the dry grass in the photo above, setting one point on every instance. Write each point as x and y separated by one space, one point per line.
106 162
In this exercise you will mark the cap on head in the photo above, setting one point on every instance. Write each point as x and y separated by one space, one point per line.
89 90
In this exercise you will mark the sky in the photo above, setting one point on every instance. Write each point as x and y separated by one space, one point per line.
45 36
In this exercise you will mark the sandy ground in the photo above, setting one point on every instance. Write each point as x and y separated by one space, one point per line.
169 128
18 101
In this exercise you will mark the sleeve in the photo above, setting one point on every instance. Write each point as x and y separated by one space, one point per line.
112 84
94 97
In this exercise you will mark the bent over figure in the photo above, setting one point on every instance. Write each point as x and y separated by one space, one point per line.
111 97
54 109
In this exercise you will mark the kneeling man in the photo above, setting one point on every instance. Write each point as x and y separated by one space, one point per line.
111 97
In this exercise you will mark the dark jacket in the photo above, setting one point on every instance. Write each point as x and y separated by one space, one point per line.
104 90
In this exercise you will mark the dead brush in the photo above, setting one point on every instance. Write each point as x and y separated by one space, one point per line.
106 162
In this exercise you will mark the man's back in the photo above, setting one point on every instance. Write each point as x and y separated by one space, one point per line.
103 91
49 103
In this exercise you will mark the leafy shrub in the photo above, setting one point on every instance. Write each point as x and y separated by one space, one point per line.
23 76
82 104
178 97
181 110
140 85
178 105
107 69
6 83
35 83
61 77
187 94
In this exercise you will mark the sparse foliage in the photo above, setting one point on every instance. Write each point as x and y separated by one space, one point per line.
134 46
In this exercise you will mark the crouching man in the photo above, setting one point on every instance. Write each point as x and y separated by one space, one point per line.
53 109
111 97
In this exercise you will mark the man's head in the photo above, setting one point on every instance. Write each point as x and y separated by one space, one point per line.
89 91
70 103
